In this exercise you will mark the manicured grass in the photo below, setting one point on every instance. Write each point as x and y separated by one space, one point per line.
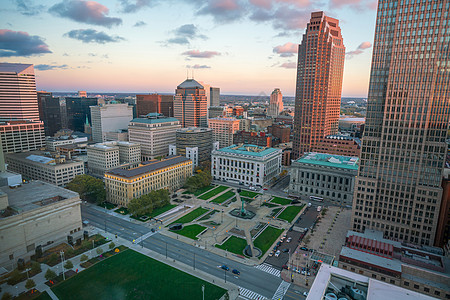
131 275
190 231
290 213
213 192
44 296
203 190
282 201
269 204
191 216
265 240
161 210
249 194
234 244
225 196
122 211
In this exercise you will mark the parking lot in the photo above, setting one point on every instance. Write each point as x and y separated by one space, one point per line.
286 248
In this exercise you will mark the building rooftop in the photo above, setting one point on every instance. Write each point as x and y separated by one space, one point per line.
223 119
332 280
39 158
148 166
376 260
153 119
247 149
193 130
35 194
14 68
190 84
330 160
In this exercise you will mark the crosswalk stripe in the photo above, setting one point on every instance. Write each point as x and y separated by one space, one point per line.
281 291
250 295
269 269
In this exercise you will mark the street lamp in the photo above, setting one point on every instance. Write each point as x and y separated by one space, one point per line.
225 275
166 249
203 291
194 260
62 263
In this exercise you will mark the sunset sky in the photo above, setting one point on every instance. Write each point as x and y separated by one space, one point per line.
242 46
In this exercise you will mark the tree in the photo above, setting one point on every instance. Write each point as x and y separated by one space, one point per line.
83 257
15 276
99 251
146 203
111 245
199 180
68 265
7 296
30 284
49 275
89 188
35 267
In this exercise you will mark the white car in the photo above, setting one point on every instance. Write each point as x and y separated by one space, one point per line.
305 294
277 253
289 240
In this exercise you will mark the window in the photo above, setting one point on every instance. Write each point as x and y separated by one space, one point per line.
406 283
416 286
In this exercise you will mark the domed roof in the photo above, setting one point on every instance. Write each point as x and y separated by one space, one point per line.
190 84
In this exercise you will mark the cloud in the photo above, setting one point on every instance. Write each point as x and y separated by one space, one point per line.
89 12
134 6
360 49
26 7
198 67
200 54
140 24
286 17
44 67
19 43
223 10
289 65
286 50
93 36
184 34
359 5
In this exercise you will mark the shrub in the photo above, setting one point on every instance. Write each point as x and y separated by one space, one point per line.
111 245
35 267
99 251
15 276
68 265
30 284
53 259
49 275
83 257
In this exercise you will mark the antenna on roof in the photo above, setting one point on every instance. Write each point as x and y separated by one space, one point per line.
192 73
187 73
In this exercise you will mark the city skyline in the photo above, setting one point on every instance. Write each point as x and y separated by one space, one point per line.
140 47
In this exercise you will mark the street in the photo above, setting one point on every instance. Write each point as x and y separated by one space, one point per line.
250 278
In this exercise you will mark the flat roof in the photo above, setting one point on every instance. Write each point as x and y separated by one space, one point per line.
37 157
390 264
154 120
14 68
148 166
248 149
35 194
330 160
330 277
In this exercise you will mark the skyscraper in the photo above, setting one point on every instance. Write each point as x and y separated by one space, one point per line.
50 112
276 103
398 188
214 96
78 111
154 103
18 98
190 104
110 117
319 82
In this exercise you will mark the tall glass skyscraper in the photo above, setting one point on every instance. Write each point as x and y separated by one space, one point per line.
398 188
319 82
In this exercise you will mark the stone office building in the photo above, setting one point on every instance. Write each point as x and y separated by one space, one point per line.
324 176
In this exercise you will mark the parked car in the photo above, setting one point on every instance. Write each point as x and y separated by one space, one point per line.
224 267
304 248
236 272
285 250
285 267
277 253
305 294
279 244
289 240
271 253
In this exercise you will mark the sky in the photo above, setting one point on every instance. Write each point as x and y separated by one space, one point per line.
246 47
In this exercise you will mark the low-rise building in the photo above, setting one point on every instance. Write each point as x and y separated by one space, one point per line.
155 133
21 135
287 151
39 165
247 164
108 155
338 144
40 215
223 130
254 138
420 269
280 131
334 283
123 185
51 143
320 176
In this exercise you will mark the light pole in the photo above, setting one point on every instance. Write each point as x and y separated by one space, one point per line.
194 260
203 291
222 216
166 249
93 241
105 226
62 264
225 275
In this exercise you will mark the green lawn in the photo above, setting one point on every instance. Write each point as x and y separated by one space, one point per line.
161 210
290 213
191 216
203 190
213 192
269 204
190 231
267 238
43 296
234 244
225 196
131 275
122 211
249 194
282 201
